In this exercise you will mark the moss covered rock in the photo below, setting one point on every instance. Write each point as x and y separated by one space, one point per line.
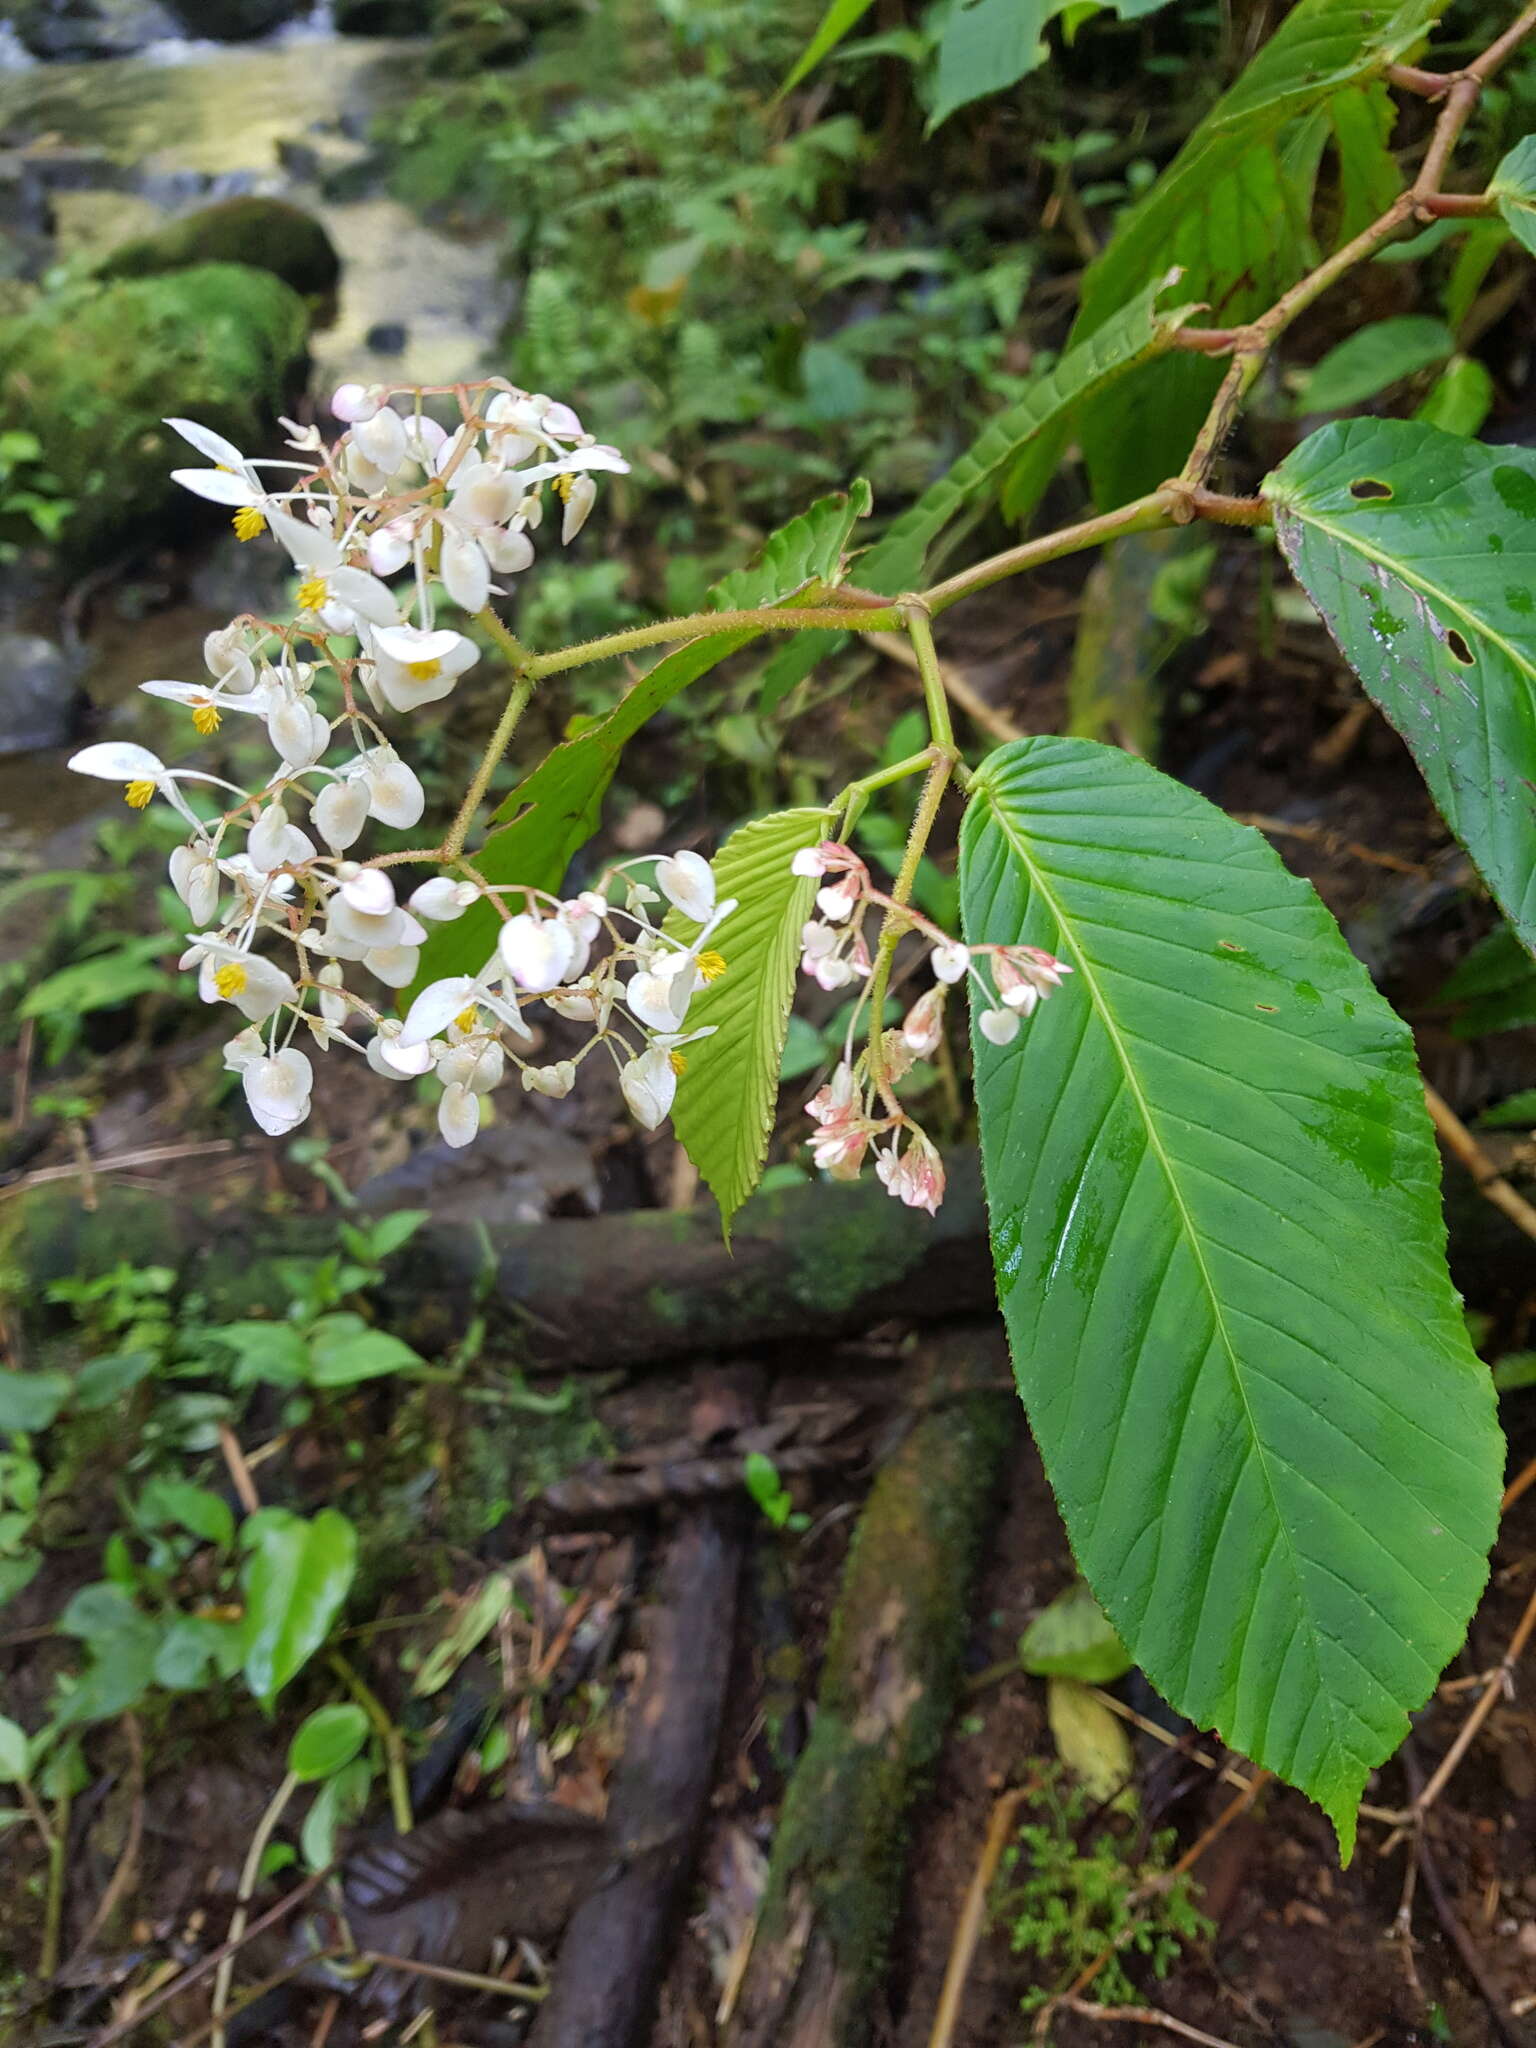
90 28
234 21
93 370
382 17
266 234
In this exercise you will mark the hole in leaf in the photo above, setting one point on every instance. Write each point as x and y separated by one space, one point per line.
1369 487
1459 649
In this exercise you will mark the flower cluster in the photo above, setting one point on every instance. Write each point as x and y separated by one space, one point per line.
397 492
857 1106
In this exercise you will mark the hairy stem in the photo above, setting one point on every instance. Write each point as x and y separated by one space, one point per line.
919 627
896 924
496 747
1140 516
700 625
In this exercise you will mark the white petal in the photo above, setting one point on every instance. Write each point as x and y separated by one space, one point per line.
382 439
443 899
390 548
688 880
395 966
371 891
408 644
208 443
309 548
340 813
118 761
278 1090
535 951
508 553
660 1003
465 572
649 1086
395 794
950 962
436 1007
353 403
1001 1027
580 499
219 487
365 595
458 1115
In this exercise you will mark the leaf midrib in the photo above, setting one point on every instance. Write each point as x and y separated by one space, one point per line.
1105 1014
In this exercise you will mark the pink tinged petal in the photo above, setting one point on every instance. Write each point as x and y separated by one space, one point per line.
458 1115
436 1007
118 761
688 881
365 595
353 402
536 952
339 814
219 487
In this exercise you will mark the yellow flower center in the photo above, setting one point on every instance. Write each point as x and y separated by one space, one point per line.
206 718
711 965
311 593
423 671
563 487
230 979
249 523
141 793
466 1019
678 1062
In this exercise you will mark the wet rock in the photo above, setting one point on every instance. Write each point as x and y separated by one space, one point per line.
39 698
235 21
91 28
381 17
266 234
387 338
93 370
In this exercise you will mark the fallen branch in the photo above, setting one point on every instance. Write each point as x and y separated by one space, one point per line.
1491 1184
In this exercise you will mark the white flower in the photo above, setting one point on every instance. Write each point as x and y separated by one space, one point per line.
144 775
274 843
232 481
440 1002
415 667
233 974
688 881
442 899
536 951
649 1084
658 1001
355 402
195 878
556 1081
340 812
390 547
381 436
465 572
299 733
950 961
395 794
476 1062
397 1058
278 1090
1000 1027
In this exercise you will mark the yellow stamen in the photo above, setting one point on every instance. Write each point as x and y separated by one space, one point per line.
678 1062
249 523
563 487
711 965
230 979
206 718
311 594
465 1020
423 671
141 793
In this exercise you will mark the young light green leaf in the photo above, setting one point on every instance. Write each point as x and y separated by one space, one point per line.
1093 1743
1074 1638
1419 549
840 19
1214 1201
1515 1113
295 1577
326 1741
14 1753
1233 209
724 1108
1460 399
344 1350
554 811
1513 190
339 1801
472 1623
1373 357
30 1400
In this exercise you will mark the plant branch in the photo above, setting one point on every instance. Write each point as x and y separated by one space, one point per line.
390 1741
896 924
919 627
250 1876
703 625
1140 516
496 747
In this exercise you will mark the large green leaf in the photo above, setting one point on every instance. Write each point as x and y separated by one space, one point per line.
1372 358
985 46
1513 188
1419 549
1022 444
1369 178
840 19
295 1577
555 810
1214 1206
725 1099
1233 210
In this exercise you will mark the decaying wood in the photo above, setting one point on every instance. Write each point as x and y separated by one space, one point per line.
615 1946
660 1284
887 1689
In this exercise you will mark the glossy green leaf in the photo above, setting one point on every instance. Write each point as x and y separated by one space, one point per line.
296 1575
1074 1638
1214 1201
553 812
30 1400
14 1753
1419 549
1494 988
326 1741
985 46
1233 209
344 1350
1513 188
840 20
1372 358
341 1800
723 1113
1460 399
1015 455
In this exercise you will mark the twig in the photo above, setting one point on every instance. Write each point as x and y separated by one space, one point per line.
127 1863
1490 1183
151 1155
248 1998
471 1980
1517 1487
1454 1932
1480 1712
957 687
58 1866
973 1913
1143 2016
250 1877
121 2029
1331 842
239 1471
21 1092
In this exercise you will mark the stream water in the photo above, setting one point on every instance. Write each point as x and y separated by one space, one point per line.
178 126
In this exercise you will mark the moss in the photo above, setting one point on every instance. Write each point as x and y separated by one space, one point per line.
266 234
93 371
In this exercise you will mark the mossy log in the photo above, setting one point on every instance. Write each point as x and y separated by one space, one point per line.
888 1687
